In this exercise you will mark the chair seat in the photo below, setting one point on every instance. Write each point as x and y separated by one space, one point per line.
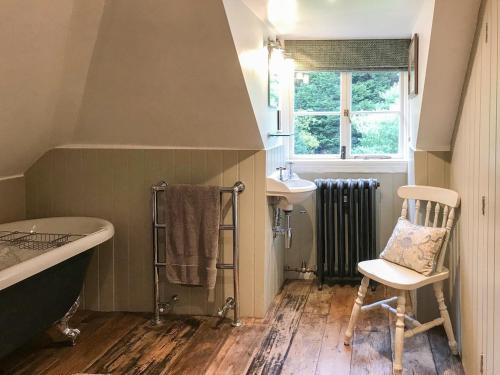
396 276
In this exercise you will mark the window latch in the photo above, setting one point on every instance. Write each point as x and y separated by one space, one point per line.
347 114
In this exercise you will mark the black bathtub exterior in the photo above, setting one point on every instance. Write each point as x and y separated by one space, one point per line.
34 304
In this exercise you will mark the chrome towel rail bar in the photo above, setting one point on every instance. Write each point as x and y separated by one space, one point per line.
231 302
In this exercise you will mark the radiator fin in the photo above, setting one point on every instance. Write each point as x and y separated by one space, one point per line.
345 227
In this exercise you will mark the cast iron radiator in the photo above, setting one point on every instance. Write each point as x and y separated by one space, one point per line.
345 227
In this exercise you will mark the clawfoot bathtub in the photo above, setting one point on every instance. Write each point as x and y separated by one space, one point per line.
42 269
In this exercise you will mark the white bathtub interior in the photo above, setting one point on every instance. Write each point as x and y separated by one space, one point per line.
17 263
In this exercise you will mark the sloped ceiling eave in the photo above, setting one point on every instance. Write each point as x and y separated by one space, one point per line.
452 35
126 72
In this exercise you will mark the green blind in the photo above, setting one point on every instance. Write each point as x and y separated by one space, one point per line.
347 55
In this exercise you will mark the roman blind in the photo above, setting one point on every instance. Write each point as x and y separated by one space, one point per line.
349 55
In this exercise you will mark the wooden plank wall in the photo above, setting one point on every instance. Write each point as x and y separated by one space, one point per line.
115 184
274 261
475 174
304 216
432 168
12 199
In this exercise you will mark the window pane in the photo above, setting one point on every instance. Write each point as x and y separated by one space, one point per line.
375 91
317 135
317 91
376 133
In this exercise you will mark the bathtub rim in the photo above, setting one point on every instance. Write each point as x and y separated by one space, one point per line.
104 230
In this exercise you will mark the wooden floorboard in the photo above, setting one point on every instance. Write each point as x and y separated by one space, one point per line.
147 349
202 348
302 357
100 331
371 346
417 354
446 363
302 334
273 351
335 357
237 352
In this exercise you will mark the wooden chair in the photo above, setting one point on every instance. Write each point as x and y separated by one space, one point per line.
404 279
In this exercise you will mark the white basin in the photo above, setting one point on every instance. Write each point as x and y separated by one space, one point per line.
291 191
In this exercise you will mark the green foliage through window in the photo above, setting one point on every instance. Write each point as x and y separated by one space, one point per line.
317 91
317 134
375 112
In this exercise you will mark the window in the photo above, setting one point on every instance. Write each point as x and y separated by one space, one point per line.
362 111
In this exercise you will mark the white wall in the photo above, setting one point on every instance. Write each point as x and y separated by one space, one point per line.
250 37
423 27
453 25
446 30
46 49
130 73
166 73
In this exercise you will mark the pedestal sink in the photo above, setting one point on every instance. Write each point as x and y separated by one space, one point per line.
289 191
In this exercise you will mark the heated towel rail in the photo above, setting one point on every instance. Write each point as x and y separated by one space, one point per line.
231 302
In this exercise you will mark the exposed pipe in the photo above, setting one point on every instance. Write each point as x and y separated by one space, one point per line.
302 269
286 231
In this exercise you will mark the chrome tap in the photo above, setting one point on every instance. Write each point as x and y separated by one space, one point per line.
290 169
281 169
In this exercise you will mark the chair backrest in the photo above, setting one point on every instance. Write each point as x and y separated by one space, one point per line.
446 199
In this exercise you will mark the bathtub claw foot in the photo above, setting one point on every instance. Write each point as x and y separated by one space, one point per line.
63 324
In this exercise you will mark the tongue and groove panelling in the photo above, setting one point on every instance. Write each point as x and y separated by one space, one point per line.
115 184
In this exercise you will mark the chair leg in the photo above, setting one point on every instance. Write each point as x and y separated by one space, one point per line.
355 310
438 291
400 333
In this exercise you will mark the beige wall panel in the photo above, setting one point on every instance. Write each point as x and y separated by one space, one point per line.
132 92
246 165
263 270
436 169
116 184
121 221
420 165
12 199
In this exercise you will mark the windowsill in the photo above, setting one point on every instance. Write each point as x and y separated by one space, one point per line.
350 165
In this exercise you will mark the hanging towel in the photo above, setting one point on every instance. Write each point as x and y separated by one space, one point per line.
192 234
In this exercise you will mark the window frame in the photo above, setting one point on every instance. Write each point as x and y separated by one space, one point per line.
345 125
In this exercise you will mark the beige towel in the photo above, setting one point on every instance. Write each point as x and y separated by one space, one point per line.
192 228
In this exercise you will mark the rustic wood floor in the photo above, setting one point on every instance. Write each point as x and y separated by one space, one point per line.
301 334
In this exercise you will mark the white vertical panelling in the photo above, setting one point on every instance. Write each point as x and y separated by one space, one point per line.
474 174
491 203
483 178
494 207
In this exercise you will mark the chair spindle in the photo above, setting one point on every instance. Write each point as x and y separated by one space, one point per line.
442 253
428 213
417 210
445 216
436 214
404 209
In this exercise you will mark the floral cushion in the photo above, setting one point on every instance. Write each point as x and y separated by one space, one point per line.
414 246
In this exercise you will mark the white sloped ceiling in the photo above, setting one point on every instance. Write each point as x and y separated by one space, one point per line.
129 72
449 46
46 49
